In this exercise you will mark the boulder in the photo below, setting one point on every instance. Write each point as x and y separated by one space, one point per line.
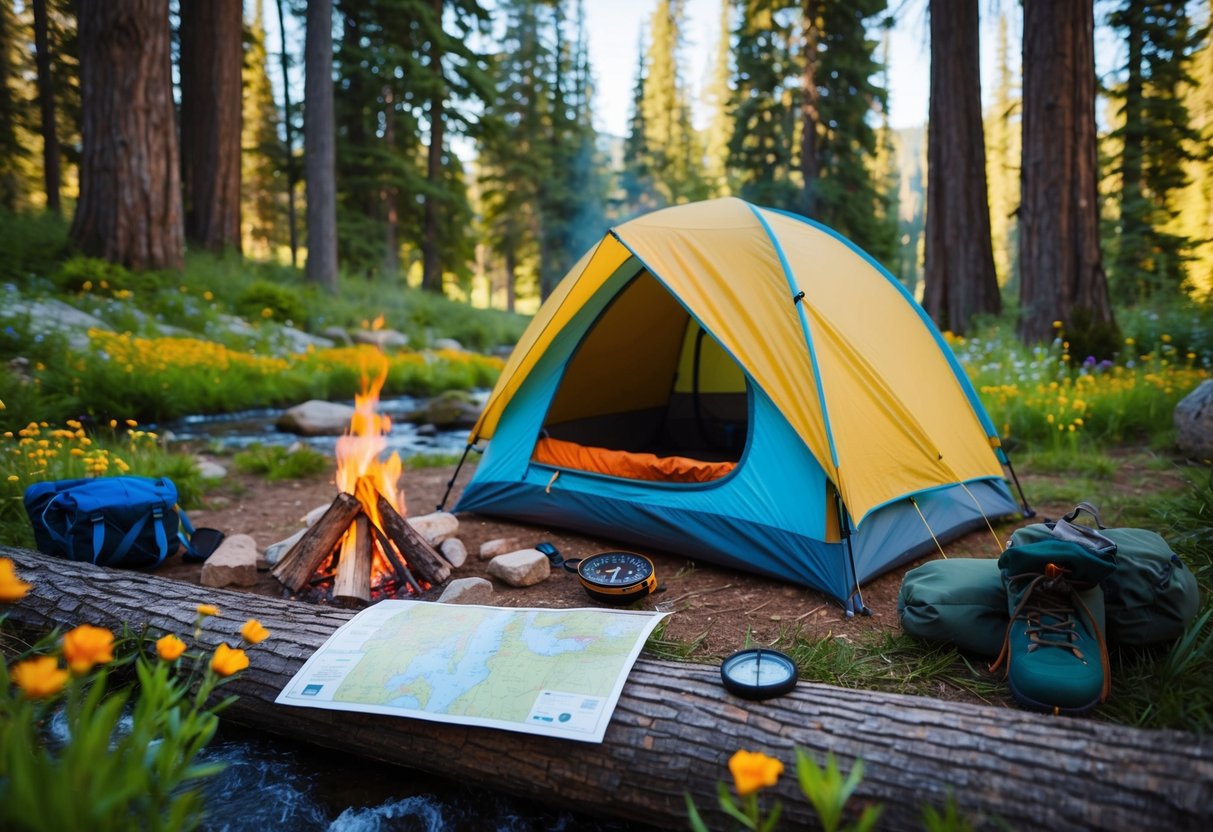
454 551
50 317
467 591
209 469
337 335
317 418
235 325
234 563
384 339
295 341
449 410
493 548
315 514
1194 423
275 551
436 526
447 344
526 567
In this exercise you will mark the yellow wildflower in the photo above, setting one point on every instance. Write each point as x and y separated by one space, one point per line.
1129 342
753 770
253 632
130 423
14 478
227 660
208 295
86 646
1057 324
39 678
207 609
12 588
169 647
1166 339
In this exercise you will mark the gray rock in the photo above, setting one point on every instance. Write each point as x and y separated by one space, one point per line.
467 591
436 526
1194 423
384 339
454 551
296 340
275 551
447 344
317 418
427 430
449 410
234 563
50 317
209 469
526 567
235 325
337 335
493 548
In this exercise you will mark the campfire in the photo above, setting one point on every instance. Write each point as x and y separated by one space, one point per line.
362 548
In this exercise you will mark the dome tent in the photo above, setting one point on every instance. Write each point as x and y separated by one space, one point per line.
744 386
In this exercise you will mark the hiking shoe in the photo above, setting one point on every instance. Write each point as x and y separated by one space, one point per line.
1056 657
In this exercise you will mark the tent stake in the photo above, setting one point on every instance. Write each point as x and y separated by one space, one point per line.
1028 511
454 476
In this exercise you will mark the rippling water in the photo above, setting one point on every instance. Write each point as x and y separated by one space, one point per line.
273 784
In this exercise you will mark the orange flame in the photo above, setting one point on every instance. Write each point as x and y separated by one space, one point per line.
360 471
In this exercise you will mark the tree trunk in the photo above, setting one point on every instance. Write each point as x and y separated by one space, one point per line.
320 146
431 264
129 210
959 270
212 57
1134 223
46 104
9 146
391 217
809 114
1061 270
511 278
288 135
674 729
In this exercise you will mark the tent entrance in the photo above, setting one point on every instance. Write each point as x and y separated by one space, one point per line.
646 379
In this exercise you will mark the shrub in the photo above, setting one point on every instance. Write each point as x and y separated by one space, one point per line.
263 300
277 463
32 245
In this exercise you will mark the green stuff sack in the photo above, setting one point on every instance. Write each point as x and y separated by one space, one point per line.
1151 596
960 601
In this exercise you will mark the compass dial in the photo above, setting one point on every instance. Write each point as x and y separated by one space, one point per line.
617 577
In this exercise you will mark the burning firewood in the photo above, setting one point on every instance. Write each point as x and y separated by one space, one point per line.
300 563
353 585
430 565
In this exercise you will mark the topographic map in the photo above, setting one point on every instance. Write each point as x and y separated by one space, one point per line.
552 672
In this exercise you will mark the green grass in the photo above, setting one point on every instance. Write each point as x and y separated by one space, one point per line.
277 463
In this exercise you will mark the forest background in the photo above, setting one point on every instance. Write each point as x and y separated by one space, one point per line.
463 158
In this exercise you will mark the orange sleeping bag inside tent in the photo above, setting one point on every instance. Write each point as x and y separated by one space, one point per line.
628 465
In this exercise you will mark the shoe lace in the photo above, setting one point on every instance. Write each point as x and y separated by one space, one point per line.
1049 595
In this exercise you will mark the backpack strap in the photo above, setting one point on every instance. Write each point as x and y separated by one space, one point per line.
128 540
186 534
1089 509
63 540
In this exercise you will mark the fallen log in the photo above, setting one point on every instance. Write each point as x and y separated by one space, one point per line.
675 728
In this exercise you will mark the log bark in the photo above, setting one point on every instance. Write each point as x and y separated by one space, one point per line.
674 729
352 587
424 558
301 560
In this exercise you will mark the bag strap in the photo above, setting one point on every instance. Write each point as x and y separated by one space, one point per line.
63 540
128 539
1089 509
187 534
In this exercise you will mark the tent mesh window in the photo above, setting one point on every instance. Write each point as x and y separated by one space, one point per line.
646 379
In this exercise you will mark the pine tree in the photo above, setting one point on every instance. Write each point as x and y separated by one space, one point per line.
319 146
848 196
675 155
959 270
1194 202
1061 268
720 129
10 147
46 104
1157 141
1002 163
262 160
288 134
129 210
766 79
636 180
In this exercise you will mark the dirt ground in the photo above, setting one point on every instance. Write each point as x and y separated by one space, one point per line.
716 605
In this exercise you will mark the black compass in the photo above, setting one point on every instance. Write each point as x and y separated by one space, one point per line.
758 673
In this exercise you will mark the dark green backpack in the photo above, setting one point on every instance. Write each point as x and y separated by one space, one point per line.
1151 597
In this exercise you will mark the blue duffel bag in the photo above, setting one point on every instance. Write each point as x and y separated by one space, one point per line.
109 521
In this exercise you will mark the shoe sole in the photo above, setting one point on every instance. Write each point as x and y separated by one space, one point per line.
1031 704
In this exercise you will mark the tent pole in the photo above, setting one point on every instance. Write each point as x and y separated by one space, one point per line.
1028 511
844 527
454 476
